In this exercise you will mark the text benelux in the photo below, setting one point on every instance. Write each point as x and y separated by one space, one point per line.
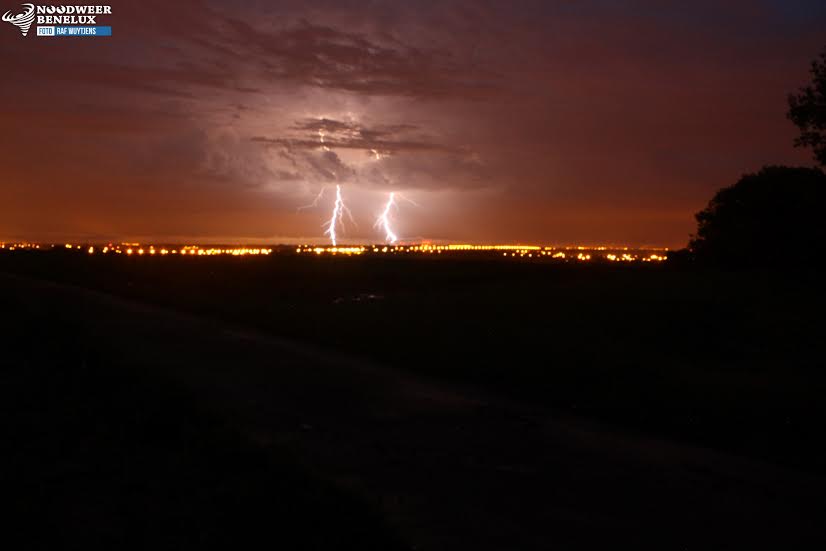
70 15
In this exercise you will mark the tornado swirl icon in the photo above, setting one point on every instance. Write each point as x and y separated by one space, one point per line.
22 20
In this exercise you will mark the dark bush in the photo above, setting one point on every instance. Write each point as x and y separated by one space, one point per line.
776 215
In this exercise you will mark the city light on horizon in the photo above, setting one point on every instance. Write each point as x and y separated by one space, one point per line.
521 251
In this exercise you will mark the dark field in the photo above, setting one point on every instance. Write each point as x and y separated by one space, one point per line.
437 403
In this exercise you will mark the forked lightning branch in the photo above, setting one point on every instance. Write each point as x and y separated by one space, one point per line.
62 20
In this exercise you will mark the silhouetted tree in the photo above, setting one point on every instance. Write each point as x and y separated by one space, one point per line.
807 110
774 215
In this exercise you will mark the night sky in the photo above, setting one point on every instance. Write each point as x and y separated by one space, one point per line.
559 122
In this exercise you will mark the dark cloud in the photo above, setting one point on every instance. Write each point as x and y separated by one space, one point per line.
329 58
391 156
352 129
379 140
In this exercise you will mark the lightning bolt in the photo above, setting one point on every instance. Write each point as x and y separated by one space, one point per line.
411 201
383 221
321 135
378 155
315 201
336 218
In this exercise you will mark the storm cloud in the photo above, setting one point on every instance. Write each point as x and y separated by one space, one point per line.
557 122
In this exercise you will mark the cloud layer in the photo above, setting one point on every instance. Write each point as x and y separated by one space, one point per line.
540 121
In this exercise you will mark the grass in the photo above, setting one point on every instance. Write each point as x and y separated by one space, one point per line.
97 456
731 360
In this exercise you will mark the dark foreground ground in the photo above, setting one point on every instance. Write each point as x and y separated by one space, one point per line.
352 403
